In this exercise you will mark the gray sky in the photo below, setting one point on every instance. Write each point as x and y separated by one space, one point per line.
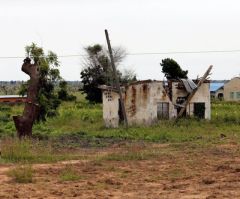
66 26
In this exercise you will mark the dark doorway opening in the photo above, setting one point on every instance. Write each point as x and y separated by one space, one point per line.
184 113
199 110
220 96
120 113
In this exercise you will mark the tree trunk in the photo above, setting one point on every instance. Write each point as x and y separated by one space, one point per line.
25 122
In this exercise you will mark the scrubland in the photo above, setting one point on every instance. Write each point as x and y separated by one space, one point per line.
74 156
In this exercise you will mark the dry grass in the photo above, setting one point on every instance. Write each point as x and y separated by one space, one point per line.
21 174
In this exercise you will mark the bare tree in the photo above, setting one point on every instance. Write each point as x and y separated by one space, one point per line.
25 122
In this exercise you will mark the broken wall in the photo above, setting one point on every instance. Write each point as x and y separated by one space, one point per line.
110 108
141 101
201 96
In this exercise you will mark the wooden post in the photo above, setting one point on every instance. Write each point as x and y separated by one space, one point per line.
116 79
194 91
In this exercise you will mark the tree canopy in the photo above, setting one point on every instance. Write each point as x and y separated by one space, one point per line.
98 71
48 97
172 69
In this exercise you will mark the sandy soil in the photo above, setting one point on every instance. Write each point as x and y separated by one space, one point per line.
176 172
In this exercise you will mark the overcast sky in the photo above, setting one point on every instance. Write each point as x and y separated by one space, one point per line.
141 26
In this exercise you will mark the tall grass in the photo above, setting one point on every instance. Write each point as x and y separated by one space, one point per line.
80 124
30 151
226 112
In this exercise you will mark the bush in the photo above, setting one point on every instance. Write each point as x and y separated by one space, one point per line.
5 118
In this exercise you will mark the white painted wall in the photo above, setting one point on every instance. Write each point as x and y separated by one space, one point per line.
110 109
141 103
202 95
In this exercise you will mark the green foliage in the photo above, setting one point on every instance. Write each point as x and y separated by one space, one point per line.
49 98
23 88
225 112
63 93
29 151
91 79
80 123
22 174
49 76
98 71
172 69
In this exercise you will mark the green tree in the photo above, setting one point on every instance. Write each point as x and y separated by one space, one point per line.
98 70
172 69
63 93
47 96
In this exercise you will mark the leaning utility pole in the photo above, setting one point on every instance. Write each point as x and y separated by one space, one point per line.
116 79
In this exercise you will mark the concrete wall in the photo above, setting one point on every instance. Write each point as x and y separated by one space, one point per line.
232 86
141 102
110 108
201 96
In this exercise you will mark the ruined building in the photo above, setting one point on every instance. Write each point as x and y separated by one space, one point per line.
148 101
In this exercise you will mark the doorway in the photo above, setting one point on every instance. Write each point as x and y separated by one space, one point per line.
199 110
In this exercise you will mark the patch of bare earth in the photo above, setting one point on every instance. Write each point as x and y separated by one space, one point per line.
174 172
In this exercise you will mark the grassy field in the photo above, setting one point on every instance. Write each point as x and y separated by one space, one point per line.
81 123
74 156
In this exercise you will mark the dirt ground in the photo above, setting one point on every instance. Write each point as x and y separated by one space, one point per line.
162 171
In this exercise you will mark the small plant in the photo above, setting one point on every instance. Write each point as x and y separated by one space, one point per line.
69 174
22 174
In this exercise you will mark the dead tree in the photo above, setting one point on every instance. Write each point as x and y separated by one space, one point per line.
25 122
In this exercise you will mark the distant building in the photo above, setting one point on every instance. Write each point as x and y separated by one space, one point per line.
232 90
12 99
216 90
147 102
